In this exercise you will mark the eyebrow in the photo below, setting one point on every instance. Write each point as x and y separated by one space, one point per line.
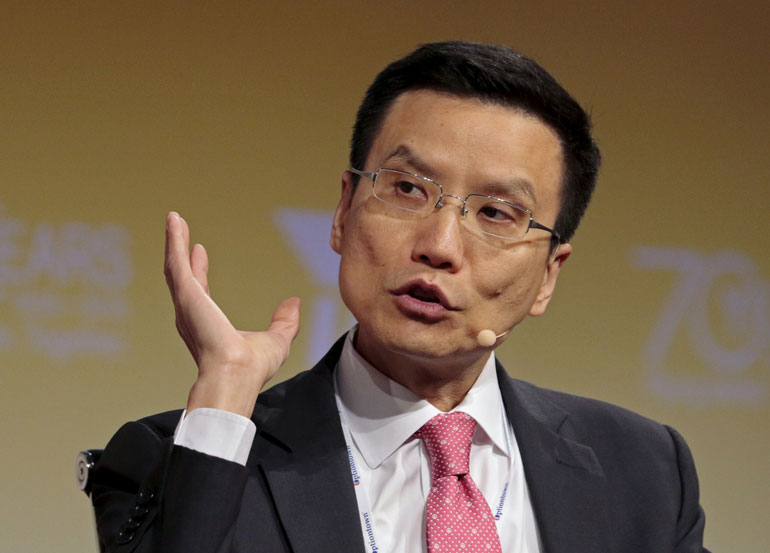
515 186
405 154
499 189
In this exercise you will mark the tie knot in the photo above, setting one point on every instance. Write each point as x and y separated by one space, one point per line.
447 437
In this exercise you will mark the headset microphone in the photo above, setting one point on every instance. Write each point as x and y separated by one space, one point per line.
487 338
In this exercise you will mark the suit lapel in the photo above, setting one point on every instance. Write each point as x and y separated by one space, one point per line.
317 505
565 480
308 473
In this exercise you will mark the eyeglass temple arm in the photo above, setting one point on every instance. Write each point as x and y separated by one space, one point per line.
364 174
535 224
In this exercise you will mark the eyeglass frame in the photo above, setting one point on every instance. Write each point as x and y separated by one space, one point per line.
464 210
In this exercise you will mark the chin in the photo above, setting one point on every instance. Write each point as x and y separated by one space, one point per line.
417 339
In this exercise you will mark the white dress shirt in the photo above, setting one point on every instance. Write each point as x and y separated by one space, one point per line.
381 417
394 468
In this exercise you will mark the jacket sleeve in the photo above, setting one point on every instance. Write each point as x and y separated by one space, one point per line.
151 496
691 519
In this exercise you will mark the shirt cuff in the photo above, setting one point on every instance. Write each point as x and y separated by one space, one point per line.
217 433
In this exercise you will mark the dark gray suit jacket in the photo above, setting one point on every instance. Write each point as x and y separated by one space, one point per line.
601 479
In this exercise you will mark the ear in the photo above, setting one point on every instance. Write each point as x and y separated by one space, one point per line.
555 261
341 213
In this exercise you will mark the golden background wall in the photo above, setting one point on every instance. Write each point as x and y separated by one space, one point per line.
237 114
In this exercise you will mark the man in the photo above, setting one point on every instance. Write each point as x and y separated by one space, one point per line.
470 170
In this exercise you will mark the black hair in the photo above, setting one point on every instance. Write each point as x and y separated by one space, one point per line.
499 75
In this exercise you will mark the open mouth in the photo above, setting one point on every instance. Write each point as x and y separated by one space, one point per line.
426 293
423 295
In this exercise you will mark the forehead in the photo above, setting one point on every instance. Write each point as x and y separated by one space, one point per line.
472 145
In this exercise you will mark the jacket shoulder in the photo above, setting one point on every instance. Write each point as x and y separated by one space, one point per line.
613 432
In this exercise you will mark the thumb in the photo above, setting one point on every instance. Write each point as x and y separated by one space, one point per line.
285 321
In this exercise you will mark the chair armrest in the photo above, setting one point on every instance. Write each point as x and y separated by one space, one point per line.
84 465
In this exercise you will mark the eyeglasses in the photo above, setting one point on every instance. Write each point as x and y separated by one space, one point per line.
481 214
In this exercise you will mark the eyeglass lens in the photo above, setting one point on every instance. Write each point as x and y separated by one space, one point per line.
420 196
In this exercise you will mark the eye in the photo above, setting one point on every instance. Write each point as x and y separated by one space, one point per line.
495 213
409 188
404 190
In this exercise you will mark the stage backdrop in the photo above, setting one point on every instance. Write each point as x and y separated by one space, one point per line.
237 114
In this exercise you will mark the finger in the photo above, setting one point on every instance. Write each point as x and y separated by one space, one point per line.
170 224
177 261
199 263
285 322
185 233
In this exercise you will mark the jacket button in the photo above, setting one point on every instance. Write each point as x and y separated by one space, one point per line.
138 511
131 524
124 536
145 496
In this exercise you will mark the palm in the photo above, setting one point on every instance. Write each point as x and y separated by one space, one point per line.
233 365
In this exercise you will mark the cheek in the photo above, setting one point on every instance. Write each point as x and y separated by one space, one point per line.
358 259
511 285
365 256
366 249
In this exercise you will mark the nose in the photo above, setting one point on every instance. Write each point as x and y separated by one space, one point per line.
439 238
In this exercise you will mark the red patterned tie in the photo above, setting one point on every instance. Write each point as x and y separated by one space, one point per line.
458 516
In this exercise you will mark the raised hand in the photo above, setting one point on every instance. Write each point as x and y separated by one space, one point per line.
233 365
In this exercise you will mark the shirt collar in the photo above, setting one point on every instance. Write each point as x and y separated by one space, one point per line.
382 414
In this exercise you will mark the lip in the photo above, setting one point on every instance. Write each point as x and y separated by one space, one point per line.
432 289
427 310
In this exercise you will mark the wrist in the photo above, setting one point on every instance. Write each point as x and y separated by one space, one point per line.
224 393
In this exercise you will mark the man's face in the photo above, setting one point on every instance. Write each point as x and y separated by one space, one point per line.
422 288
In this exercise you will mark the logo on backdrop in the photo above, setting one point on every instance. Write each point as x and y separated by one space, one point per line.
718 306
307 232
63 288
